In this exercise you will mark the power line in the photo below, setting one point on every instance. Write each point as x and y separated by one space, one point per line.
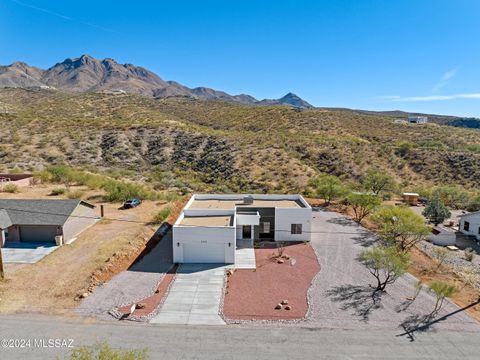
360 232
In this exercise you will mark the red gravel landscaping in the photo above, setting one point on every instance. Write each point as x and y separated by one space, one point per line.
152 302
254 294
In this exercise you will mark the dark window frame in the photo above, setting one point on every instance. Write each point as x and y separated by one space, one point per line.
296 229
466 226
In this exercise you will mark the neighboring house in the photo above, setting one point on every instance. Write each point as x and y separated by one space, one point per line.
210 225
469 224
20 180
39 221
417 119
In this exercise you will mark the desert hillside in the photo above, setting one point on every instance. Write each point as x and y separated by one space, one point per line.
222 146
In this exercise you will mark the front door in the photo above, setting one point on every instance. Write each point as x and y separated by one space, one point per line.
247 232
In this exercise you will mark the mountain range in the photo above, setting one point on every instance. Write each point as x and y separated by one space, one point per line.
87 74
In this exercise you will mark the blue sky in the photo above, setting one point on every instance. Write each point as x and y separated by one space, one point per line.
414 55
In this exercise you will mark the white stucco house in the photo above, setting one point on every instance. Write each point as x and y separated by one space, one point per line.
469 224
209 226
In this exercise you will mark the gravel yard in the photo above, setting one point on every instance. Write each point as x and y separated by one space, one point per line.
132 285
254 294
340 296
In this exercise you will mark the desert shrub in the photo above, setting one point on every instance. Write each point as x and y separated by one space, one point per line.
469 254
474 203
161 216
441 254
10 188
75 194
58 191
103 351
121 191
452 196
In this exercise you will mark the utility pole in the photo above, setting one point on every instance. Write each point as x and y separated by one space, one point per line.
2 273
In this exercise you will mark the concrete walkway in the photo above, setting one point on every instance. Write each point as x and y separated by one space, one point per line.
194 297
244 255
26 253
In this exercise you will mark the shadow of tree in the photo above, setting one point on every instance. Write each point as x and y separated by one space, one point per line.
343 221
361 299
403 306
422 323
366 239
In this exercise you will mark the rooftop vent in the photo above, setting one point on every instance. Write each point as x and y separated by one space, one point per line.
248 200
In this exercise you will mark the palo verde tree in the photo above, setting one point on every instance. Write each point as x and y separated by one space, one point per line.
441 290
328 187
378 182
436 211
400 226
363 205
386 264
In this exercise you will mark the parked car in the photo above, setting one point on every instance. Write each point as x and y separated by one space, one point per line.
131 203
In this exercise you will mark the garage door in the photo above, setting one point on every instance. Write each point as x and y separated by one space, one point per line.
204 253
37 233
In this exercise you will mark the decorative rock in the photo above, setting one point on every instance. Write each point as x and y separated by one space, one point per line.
280 261
140 306
84 295
288 307
157 291
278 307
284 302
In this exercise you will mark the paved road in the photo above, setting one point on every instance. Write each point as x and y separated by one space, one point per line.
194 297
232 342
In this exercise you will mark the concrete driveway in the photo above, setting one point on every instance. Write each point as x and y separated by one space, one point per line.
194 297
26 253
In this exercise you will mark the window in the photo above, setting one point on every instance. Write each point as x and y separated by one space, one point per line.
296 229
466 226
265 227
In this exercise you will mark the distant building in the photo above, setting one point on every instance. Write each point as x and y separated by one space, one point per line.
417 119
411 198
470 224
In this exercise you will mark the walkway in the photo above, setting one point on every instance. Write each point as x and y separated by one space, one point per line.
194 297
244 255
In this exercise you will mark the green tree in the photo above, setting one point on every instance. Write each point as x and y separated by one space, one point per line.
328 187
363 205
377 182
436 211
452 196
441 290
385 264
401 226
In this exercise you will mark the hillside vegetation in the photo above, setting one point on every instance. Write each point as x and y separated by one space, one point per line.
219 146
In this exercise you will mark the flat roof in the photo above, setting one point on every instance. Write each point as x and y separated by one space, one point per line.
224 220
230 204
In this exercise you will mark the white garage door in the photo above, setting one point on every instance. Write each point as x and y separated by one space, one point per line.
204 252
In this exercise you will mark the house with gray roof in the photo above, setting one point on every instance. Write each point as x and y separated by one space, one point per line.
43 221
